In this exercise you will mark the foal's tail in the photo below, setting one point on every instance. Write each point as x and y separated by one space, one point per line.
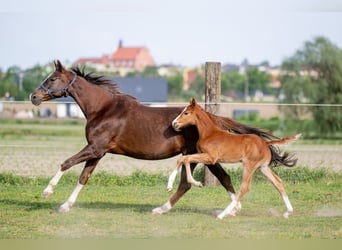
284 141
287 159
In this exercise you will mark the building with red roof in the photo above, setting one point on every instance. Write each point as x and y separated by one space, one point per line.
123 60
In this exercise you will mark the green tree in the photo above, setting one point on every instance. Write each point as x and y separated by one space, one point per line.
196 89
258 80
9 81
232 82
175 85
314 75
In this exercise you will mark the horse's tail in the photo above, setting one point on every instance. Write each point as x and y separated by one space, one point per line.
239 128
287 159
284 141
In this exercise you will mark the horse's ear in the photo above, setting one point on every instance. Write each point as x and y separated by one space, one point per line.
192 102
58 66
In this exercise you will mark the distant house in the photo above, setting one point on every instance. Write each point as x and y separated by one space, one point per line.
67 107
145 89
123 60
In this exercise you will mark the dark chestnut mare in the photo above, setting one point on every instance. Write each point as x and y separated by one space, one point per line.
117 123
217 145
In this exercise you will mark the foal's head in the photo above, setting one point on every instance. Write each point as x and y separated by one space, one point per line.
55 85
187 117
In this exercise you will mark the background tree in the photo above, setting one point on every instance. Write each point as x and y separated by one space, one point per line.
314 75
232 82
258 80
175 86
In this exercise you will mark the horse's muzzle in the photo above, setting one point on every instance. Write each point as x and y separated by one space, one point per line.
35 99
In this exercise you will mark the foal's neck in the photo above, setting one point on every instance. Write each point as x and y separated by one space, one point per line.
205 125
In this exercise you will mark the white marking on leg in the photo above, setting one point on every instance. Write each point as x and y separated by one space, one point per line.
233 198
171 180
190 178
162 209
65 207
229 210
53 182
289 208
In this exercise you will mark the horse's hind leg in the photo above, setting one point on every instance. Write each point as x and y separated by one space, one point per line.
183 187
86 173
277 183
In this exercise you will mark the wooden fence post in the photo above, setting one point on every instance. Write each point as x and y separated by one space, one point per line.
212 100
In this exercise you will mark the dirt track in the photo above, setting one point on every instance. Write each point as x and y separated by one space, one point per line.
43 160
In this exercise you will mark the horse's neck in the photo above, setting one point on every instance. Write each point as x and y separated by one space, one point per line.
205 125
88 97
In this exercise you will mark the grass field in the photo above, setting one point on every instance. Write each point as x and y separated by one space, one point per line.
118 201
120 207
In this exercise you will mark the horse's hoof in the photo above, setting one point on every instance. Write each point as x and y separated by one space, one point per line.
157 210
65 208
46 194
220 216
287 214
169 189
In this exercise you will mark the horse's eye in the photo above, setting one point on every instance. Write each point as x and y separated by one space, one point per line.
53 79
186 113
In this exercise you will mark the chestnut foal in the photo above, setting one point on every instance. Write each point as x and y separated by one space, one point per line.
216 145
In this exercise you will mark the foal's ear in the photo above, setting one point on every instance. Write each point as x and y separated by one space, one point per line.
58 66
192 102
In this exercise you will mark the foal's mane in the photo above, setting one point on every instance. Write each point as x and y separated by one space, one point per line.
98 80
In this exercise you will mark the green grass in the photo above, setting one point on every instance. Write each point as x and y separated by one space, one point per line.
120 207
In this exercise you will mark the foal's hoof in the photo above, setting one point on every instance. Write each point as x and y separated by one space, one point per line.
199 184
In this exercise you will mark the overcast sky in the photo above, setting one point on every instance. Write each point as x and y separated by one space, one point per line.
186 32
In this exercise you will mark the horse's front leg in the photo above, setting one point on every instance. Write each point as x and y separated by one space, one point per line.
183 187
85 154
53 182
86 173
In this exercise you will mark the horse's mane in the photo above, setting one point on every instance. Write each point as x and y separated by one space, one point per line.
99 80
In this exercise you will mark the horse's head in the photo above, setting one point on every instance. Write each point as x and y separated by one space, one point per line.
55 85
187 117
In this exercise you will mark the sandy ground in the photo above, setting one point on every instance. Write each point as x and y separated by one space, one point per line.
44 159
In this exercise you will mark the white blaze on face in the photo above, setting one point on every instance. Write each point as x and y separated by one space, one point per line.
175 120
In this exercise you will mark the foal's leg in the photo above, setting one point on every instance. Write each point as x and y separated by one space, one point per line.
277 183
182 161
86 173
183 187
247 175
225 181
195 158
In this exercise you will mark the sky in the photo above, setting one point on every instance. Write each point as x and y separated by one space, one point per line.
182 32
